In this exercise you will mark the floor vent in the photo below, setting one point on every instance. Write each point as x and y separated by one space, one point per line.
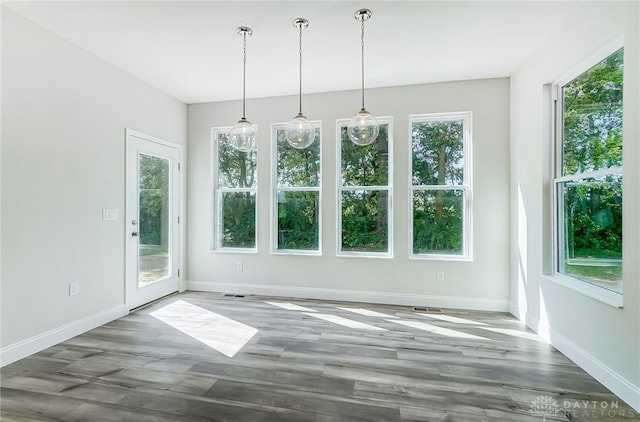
232 295
425 309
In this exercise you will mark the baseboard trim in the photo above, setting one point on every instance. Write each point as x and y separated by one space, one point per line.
615 382
27 347
402 299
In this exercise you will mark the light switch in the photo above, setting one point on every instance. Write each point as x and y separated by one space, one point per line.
74 288
109 214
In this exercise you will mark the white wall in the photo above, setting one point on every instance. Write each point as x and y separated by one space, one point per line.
64 114
602 339
481 284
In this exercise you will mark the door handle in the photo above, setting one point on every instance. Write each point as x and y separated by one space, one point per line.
134 234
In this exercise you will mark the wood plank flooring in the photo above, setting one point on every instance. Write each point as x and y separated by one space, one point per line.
309 360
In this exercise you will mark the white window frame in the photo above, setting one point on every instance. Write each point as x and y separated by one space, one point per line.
340 123
557 138
467 232
215 244
275 127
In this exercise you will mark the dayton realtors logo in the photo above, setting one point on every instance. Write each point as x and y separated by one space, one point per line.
547 407
596 409
544 406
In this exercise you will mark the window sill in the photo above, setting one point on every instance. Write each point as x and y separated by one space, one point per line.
597 293
434 257
383 255
300 252
235 250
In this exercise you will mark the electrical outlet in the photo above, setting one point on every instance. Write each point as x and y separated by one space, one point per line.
74 288
439 275
109 214
239 266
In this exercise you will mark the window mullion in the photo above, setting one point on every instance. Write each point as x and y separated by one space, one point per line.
611 171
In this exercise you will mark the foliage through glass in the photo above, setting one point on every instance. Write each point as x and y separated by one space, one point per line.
437 221
237 184
365 165
298 210
592 124
438 153
154 199
153 217
298 220
590 206
365 194
592 227
437 161
238 216
364 221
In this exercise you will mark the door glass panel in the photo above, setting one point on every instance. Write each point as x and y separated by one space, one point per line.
153 218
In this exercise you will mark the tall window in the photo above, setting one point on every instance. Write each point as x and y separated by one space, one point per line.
441 186
297 194
588 180
364 193
235 189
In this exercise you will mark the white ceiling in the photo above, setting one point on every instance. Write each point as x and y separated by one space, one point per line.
191 50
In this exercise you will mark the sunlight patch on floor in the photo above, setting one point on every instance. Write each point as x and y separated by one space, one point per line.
516 333
453 319
367 312
290 306
436 330
216 331
345 322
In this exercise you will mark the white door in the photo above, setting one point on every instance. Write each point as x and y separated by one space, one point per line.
153 205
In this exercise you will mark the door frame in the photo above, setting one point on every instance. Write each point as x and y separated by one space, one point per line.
181 199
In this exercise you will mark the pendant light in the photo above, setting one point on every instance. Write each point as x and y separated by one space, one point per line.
243 136
299 132
363 128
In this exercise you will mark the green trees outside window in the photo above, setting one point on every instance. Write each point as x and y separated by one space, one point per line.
365 196
437 221
154 200
592 118
589 179
297 194
439 186
235 196
154 214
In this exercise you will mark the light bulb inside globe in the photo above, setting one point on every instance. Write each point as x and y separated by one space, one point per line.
243 136
363 128
299 133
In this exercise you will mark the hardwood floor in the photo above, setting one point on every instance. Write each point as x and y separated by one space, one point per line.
208 357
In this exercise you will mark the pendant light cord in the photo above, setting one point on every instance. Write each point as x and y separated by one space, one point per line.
244 72
300 100
362 58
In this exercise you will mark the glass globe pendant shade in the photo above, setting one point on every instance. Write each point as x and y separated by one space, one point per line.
243 136
363 128
299 132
